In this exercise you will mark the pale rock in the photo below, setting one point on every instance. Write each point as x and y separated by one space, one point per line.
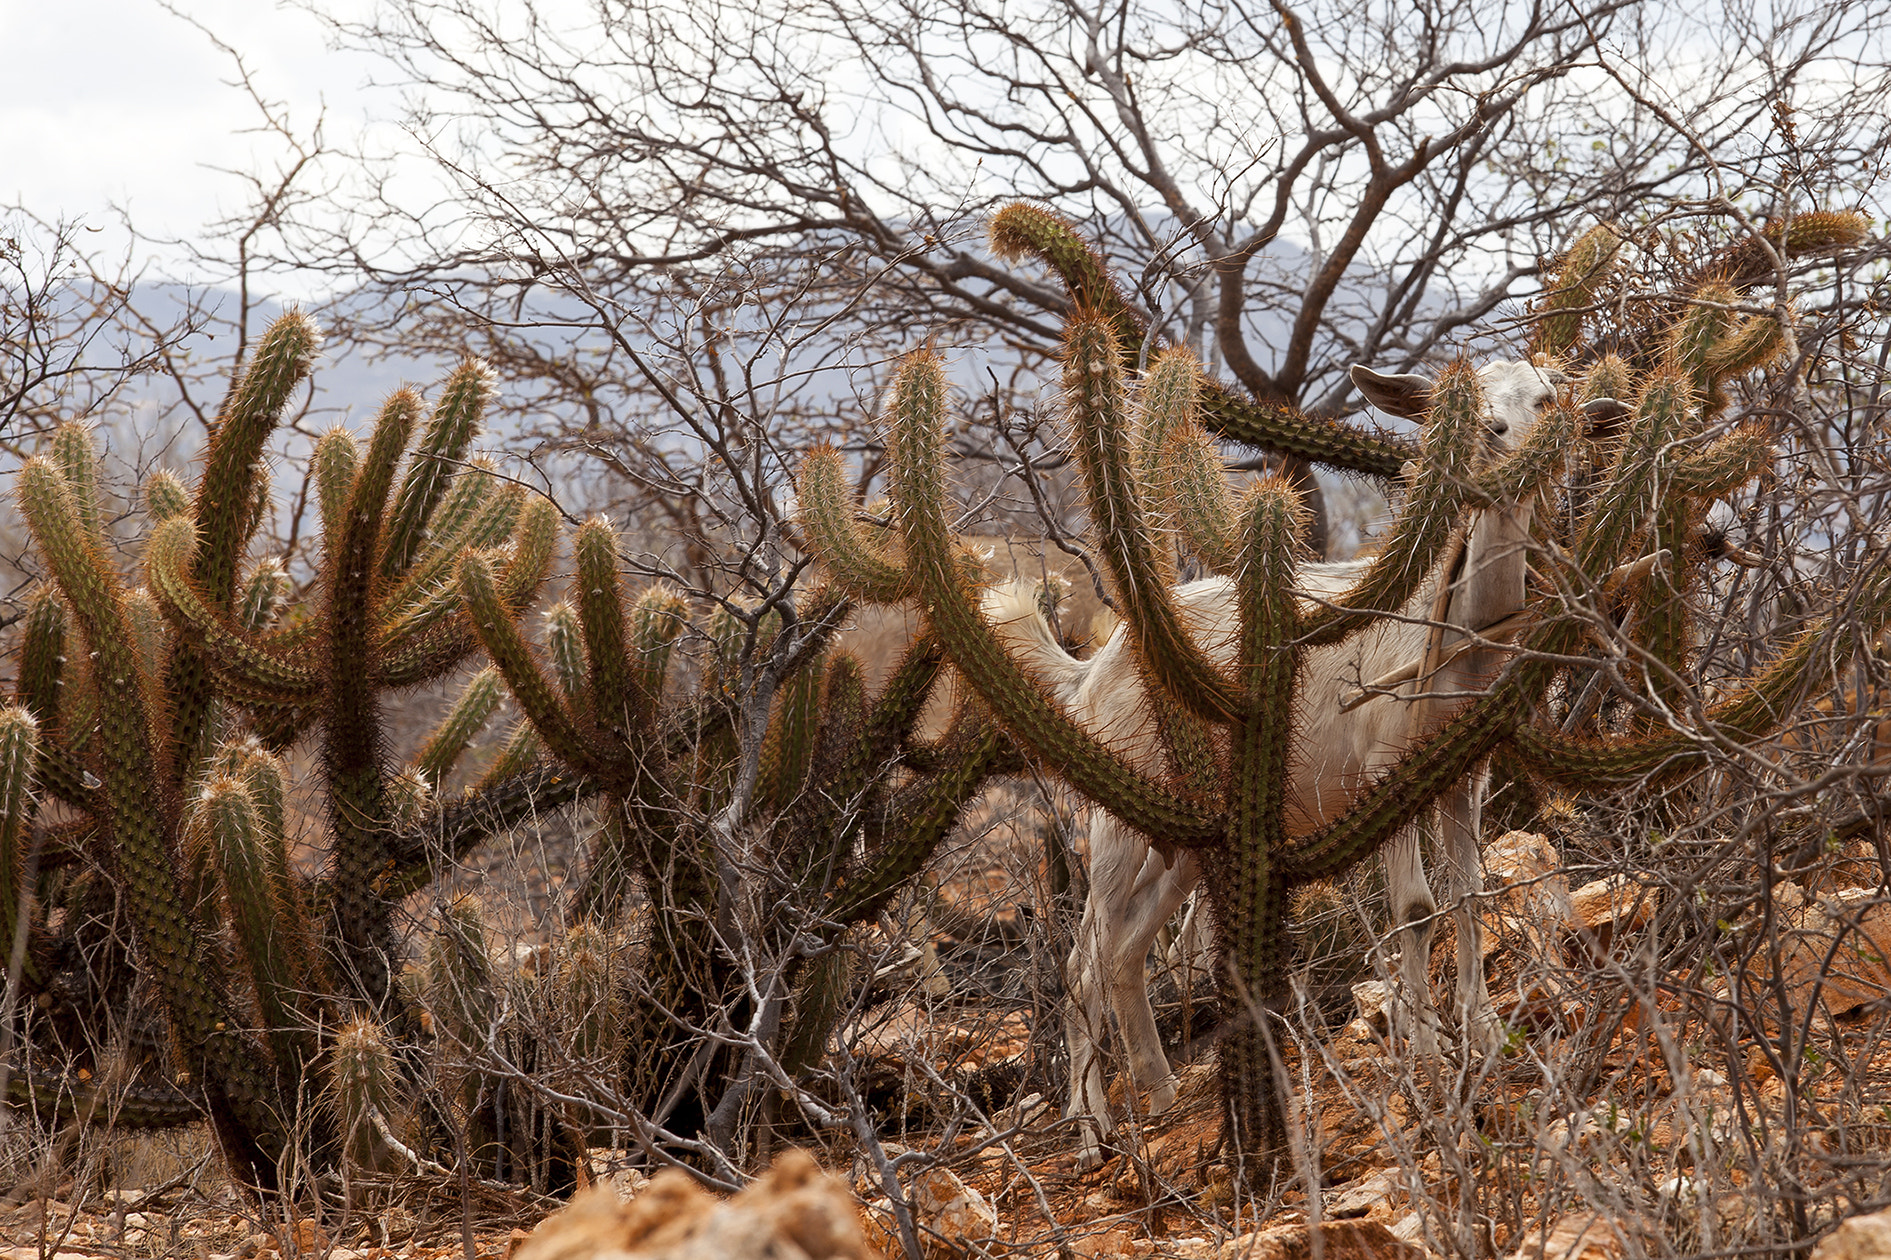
1528 905
1860 1238
1360 1197
792 1212
948 1207
1339 1240
1609 907
1582 1236
1374 1000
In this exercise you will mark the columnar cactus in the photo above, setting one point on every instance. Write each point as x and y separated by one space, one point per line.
141 727
1228 736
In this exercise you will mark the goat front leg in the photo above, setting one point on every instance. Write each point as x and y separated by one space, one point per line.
1159 892
1460 817
1415 911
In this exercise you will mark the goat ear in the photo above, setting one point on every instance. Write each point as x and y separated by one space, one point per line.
1407 394
1604 414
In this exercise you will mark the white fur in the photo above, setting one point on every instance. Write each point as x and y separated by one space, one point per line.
1132 892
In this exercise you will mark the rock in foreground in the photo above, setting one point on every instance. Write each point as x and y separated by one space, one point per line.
793 1212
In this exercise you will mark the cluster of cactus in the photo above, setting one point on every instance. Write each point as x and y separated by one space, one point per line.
851 804
160 716
1156 486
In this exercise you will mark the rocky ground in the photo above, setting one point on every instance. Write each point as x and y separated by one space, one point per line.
1596 1135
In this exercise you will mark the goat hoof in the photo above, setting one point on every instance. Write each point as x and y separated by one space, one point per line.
1163 1095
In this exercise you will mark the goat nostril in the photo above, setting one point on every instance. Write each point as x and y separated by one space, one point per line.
1499 428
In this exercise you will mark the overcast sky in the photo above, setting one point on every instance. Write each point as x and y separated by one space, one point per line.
107 102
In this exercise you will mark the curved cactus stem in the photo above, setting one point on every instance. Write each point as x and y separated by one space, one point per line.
1757 711
1431 513
858 563
42 658
1819 232
165 496
1138 562
952 610
457 416
455 732
225 511
1724 465
1572 290
535 694
19 751
902 838
268 925
239 658
452 829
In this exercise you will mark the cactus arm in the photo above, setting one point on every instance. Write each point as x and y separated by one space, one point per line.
456 418
1021 230
359 811
225 494
448 832
425 590
952 610
237 657
905 834
1408 788
267 928
42 658
165 496
57 771
858 563
1093 391
1286 429
76 454
1820 232
1571 292
19 750
536 695
461 725
788 747
337 459
263 594
422 657
1758 710
1724 465
1194 483
1431 513
656 620
601 615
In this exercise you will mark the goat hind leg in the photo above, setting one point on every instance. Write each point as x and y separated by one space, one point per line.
1460 819
1415 911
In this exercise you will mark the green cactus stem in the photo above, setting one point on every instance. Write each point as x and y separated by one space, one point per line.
19 750
952 612
1571 292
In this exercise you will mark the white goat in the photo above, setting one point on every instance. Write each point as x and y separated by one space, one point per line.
1341 744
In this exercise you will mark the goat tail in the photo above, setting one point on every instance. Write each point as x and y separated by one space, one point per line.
1016 617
